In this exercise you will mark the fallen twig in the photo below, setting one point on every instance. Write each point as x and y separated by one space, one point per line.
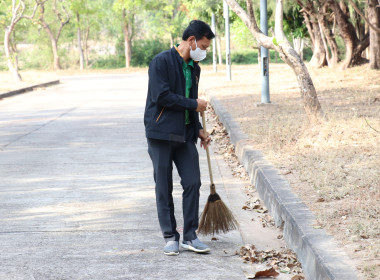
371 126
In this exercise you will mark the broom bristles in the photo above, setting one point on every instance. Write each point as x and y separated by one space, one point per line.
216 217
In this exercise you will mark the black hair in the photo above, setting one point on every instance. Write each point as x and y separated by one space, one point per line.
199 29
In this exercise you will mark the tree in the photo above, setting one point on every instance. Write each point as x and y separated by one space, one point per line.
310 10
58 7
167 19
354 46
17 13
328 37
294 26
78 8
374 30
317 17
203 9
88 15
374 33
280 44
128 10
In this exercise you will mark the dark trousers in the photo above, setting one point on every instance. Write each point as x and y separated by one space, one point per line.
185 157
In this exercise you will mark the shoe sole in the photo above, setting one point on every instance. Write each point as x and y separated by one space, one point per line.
191 248
171 253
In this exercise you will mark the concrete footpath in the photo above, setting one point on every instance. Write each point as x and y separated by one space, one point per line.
77 193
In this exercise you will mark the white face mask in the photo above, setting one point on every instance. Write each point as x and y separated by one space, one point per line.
198 54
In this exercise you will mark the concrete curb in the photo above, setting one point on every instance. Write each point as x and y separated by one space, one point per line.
319 254
27 89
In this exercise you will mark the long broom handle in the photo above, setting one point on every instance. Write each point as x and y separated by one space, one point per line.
207 151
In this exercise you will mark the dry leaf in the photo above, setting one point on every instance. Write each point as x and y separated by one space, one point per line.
284 260
264 271
297 277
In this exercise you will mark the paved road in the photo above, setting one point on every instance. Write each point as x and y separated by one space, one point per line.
77 194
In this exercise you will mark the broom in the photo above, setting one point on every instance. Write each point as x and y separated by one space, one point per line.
216 216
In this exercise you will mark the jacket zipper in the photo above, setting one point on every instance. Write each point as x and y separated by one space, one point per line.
159 116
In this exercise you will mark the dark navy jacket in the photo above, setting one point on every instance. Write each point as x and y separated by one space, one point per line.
166 103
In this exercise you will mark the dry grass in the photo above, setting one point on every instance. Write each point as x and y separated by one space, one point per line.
334 167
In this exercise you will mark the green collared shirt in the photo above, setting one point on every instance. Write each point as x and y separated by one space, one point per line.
189 82
187 73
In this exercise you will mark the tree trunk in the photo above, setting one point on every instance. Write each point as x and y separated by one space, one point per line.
85 44
127 31
319 54
374 36
298 45
332 53
9 45
367 31
288 54
348 34
357 57
54 46
11 61
54 38
128 50
13 46
309 28
332 46
219 51
81 55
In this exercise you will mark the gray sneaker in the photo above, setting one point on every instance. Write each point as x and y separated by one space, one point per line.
171 248
195 245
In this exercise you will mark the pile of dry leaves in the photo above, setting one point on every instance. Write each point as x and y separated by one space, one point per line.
268 262
253 203
223 146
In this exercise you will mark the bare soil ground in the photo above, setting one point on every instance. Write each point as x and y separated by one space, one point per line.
333 167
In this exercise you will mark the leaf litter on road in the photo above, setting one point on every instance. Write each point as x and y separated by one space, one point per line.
268 263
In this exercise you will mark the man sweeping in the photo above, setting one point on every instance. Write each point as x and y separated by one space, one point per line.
172 128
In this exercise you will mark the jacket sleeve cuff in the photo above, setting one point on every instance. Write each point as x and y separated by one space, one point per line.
200 126
193 104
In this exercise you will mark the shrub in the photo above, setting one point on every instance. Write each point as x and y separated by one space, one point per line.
109 62
243 57
143 51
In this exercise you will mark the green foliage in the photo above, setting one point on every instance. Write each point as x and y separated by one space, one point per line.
3 63
243 57
241 34
154 23
109 62
167 19
38 54
202 9
294 22
307 54
145 50
251 57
